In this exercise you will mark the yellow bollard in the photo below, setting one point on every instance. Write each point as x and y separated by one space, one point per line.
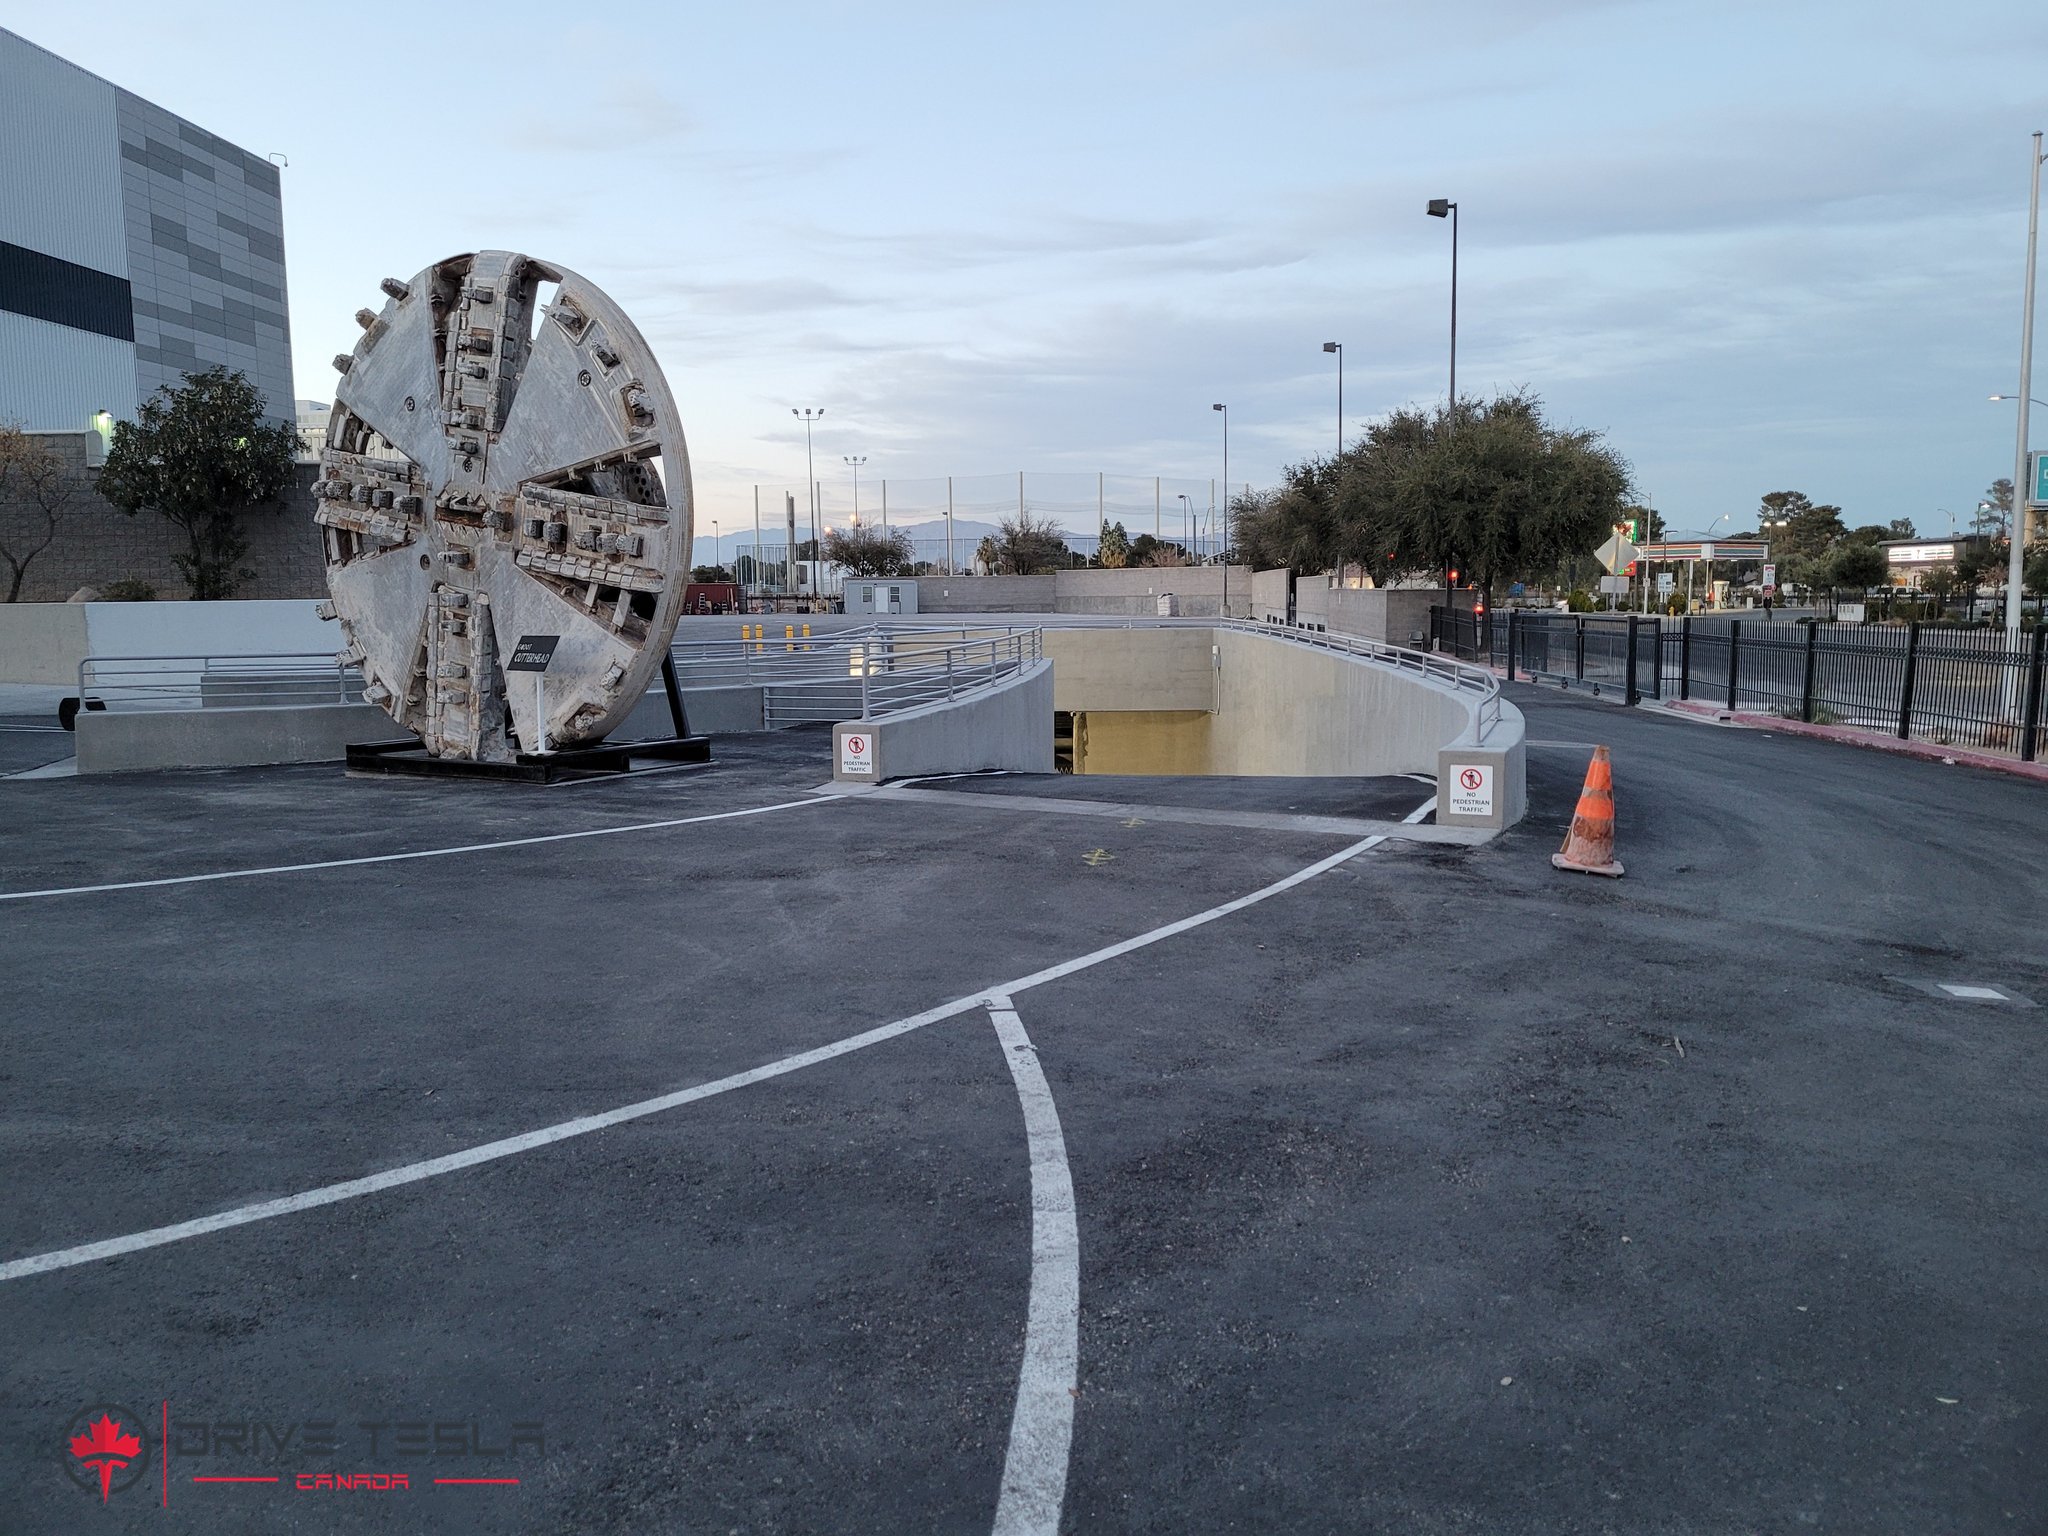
807 635
788 634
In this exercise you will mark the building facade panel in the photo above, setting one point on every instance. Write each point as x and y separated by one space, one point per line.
59 159
48 363
189 224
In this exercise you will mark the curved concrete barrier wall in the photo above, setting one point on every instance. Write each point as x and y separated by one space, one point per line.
1277 706
1007 725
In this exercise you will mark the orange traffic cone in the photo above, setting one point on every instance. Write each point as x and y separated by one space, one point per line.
1589 846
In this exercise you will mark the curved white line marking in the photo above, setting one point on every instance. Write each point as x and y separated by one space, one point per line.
424 853
490 1151
1042 1423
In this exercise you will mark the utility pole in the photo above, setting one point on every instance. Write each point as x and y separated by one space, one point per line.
1338 348
810 475
2015 565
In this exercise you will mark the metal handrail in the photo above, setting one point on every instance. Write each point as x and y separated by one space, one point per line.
263 679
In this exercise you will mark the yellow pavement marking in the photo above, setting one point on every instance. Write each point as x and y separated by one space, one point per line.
1095 858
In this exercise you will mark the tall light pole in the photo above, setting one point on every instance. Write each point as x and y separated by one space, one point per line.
2015 563
715 560
810 472
856 460
1338 348
1441 208
1187 522
1226 483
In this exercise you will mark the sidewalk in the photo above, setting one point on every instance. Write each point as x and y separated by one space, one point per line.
1965 756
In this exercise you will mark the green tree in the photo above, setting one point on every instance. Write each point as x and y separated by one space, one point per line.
2034 575
1858 566
1147 550
34 493
705 574
868 551
1503 496
1115 549
1901 528
1799 528
1027 545
1294 524
1993 517
202 456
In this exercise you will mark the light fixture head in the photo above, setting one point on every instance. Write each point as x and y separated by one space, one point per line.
1216 407
1333 346
1440 207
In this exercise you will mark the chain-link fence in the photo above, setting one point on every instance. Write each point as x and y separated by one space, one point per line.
952 514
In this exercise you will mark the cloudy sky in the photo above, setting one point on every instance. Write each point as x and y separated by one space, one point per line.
1762 246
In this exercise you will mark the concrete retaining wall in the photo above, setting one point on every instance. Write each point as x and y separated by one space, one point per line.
114 741
1007 726
1272 596
45 642
985 594
1390 615
97 544
42 642
1132 593
711 712
1275 706
1131 669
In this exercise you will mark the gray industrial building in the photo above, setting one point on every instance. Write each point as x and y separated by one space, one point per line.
135 247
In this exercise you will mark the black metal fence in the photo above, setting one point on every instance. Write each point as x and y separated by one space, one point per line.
1954 687
1618 652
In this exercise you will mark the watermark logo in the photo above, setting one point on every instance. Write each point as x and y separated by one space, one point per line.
107 1447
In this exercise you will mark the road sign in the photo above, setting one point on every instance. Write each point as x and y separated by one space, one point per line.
1665 582
1617 552
1770 575
1471 789
2037 494
856 752
1613 586
533 653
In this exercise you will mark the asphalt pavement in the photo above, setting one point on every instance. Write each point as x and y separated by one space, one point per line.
1437 1191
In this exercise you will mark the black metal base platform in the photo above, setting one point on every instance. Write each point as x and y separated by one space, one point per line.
603 759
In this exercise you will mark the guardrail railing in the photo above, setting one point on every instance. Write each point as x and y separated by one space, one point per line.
216 681
1476 681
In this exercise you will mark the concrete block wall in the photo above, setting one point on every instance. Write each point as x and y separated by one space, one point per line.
1272 596
96 544
1390 615
1132 592
1008 726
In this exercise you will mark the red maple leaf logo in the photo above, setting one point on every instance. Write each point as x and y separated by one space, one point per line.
106 1449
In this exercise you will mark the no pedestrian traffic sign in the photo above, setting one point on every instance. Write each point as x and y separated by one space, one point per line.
857 753
1471 789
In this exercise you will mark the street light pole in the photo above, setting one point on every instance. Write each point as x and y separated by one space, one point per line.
811 477
1338 348
1226 483
856 460
2015 565
1443 207
1187 522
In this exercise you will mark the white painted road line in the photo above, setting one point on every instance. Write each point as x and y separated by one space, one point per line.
413 1173
424 853
1042 1424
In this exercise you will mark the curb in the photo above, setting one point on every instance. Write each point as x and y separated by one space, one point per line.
1849 736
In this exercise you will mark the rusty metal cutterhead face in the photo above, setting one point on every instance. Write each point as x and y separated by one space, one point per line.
503 460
